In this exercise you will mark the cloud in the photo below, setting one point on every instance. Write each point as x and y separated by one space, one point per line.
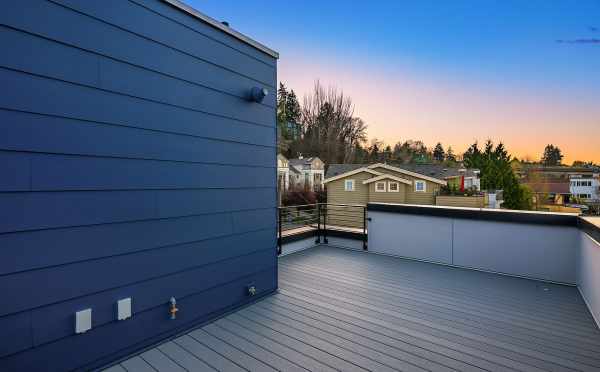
579 41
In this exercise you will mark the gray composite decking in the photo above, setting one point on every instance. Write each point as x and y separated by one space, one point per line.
346 310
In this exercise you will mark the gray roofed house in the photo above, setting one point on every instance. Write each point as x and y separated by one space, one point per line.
307 173
412 184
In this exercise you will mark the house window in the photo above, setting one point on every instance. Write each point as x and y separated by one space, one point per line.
420 186
393 187
380 186
349 185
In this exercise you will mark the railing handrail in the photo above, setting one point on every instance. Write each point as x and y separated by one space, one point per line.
315 204
316 217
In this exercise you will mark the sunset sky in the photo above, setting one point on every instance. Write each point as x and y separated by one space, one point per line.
524 72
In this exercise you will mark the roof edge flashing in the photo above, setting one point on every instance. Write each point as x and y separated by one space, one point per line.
482 214
220 26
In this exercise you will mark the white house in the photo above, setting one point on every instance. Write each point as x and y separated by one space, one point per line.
586 188
310 173
283 172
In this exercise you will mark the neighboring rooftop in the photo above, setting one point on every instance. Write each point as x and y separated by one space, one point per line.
301 161
222 26
438 171
549 187
559 169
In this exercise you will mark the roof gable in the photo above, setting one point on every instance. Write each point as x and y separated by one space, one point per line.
351 173
387 176
407 172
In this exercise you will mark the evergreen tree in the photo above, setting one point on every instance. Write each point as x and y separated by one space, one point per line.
497 173
552 155
472 158
292 108
438 152
283 144
292 116
375 152
450 157
387 154
282 95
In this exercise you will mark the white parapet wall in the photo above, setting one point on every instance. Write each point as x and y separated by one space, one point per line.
405 235
474 238
588 274
297 245
348 243
528 250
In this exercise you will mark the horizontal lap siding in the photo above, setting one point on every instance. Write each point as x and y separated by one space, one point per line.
132 166
336 194
412 196
460 201
388 196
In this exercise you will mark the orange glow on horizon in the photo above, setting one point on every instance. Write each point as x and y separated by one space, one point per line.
399 103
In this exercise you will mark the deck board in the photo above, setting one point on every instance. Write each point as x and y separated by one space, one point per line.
347 310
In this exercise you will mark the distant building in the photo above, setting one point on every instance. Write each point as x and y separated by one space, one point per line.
308 173
550 193
539 173
283 173
585 187
472 178
361 184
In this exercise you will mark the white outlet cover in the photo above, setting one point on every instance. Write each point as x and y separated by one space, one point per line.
124 308
83 321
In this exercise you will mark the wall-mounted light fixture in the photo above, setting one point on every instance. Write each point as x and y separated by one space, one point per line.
258 94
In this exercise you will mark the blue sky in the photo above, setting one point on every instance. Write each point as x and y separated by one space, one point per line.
476 69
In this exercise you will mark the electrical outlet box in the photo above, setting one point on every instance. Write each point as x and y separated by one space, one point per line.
83 321
124 308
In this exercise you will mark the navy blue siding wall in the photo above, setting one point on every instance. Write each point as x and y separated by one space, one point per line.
131 165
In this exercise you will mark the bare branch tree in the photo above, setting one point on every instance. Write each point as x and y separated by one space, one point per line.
329 127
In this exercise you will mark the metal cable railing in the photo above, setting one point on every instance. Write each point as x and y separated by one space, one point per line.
321 218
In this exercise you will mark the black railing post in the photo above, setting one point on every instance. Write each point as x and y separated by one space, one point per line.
365 247
325 226
318 240
279 232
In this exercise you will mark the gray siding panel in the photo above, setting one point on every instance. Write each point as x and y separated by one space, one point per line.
132 166
189 22
58 173
16 171
81 101
54 135
49 19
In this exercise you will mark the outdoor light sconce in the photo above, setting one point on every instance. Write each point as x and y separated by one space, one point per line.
258 94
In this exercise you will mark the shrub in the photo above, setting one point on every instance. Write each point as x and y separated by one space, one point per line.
298 197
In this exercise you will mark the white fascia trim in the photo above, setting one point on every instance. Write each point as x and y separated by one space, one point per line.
220 26
414 174
351 173
387 176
